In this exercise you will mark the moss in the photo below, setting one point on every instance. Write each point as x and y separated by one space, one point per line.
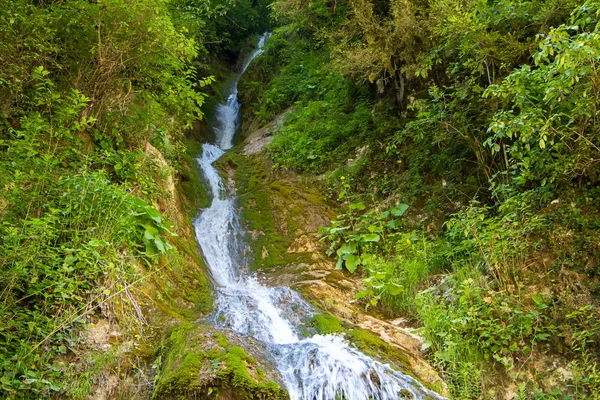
368 341
195 193
279 187
183 289
179 366
221 339
326 324
375 347
235 372
261 199
195 362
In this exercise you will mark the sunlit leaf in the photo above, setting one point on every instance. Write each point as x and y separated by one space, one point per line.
352 263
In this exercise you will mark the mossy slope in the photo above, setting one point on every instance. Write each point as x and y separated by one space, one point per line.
196 362
273 210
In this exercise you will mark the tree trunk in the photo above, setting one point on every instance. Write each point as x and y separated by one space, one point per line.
399 84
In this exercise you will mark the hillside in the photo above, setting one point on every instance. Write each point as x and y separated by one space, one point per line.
458 140
423 173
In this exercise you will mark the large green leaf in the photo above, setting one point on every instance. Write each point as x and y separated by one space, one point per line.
364 293
370 237
357 206
151 250
352 263
393 288
151 232
160 245
348 248
399 210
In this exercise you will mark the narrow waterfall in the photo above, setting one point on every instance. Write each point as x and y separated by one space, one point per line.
228 112
321 367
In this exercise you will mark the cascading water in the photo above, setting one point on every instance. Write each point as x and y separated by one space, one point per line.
227 113
321 367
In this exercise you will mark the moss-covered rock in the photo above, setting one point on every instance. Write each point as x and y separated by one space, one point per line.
198 363
194 192
377 348
326 324
373 346
369 343
273 210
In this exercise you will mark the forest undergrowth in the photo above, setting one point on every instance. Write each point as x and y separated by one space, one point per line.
459 141
98 100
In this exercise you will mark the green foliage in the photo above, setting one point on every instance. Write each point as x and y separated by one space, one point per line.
584 339
549 125
500 242
396 263
123 56
85 88
481 116
59 266
354 234
330 116
220 28
495 323
305 145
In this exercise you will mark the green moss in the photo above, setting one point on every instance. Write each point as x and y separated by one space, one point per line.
222 340
195 192
195 362
257 193
368 341
326 324
179 365
373 346
184 279
234 370
279 187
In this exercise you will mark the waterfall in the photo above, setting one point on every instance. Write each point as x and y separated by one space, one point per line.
321 367
228 113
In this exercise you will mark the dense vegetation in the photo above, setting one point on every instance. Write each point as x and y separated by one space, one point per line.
460 140
95 98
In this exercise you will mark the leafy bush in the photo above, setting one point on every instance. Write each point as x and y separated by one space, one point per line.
84 86
548 125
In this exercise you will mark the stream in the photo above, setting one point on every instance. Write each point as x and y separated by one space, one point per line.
319 367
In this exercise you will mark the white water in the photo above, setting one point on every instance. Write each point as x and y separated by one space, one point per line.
227 113
321 367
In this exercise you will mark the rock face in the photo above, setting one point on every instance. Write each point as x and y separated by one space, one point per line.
200 362
260 138
283 215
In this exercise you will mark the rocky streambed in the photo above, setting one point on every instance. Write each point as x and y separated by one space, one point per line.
281 214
